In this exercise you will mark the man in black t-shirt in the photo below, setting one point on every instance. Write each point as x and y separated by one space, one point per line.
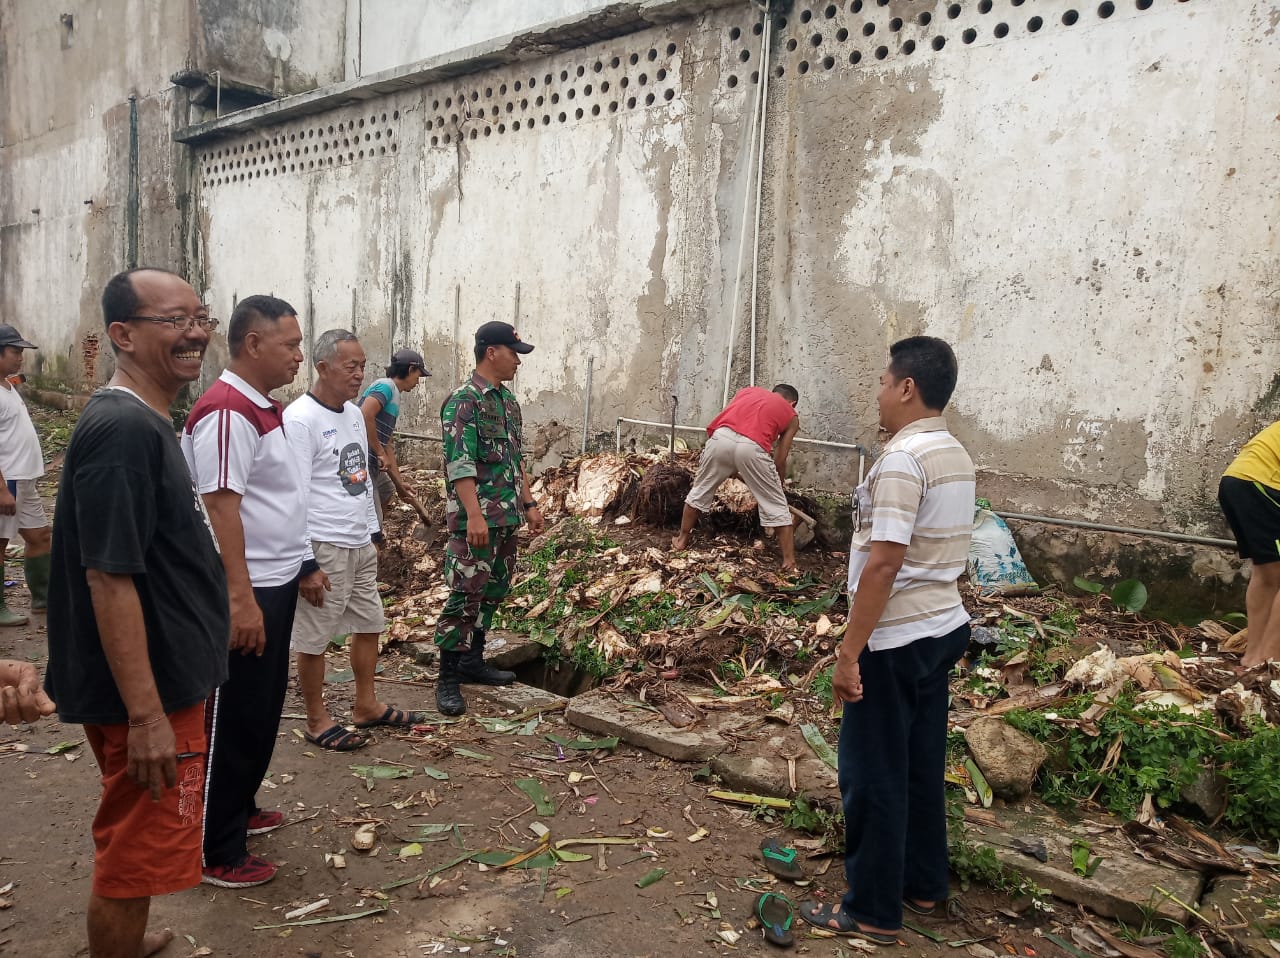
138 619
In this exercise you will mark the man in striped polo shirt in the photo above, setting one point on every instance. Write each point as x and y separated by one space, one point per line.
913 517
243 468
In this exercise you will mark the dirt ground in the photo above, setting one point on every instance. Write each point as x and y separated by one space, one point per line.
581 908
590 907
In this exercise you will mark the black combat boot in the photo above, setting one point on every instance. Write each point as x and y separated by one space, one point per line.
474 669
449 700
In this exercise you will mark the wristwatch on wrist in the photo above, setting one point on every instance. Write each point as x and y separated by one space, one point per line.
531 504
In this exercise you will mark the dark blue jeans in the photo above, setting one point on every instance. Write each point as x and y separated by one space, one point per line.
893 747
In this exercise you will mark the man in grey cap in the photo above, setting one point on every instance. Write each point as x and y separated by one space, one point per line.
380 406
488 500
21 464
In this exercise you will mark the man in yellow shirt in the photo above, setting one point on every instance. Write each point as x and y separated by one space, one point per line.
1249 494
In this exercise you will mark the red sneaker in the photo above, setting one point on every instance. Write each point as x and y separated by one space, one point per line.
261 822
249 872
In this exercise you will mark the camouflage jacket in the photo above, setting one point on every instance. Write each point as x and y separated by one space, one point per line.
481 427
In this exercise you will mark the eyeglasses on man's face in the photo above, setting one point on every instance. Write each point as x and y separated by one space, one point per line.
182 324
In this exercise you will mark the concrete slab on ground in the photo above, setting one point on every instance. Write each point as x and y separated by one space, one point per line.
603 713
760 767
1236 896
1124 885
515 650
515 698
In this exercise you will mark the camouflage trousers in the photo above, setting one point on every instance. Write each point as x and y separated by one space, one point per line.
478 581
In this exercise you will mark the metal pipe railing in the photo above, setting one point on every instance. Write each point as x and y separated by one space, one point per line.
1123 530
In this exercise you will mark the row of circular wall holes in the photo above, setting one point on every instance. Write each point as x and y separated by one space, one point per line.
346 129
580 71
954 10
266 159
563 116
1001 30
538 101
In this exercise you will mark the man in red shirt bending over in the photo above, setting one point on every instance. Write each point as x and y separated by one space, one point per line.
742 444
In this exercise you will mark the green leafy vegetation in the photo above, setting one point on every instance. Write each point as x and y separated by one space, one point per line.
1128 594
1161 753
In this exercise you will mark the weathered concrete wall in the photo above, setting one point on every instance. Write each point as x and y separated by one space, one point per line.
285 46
1079 198
394 32
66 79
65 168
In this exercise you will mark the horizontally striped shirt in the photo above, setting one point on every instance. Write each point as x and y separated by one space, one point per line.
920 493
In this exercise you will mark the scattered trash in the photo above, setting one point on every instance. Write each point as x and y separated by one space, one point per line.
651 877
305 910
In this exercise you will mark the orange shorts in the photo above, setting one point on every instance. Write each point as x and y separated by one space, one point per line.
145 848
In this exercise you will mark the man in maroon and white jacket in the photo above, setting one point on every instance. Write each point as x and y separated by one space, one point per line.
241 462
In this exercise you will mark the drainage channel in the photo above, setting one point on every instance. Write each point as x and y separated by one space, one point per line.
535 668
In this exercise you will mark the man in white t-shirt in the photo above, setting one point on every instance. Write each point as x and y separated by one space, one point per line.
21 464
243 468
913 518
327 434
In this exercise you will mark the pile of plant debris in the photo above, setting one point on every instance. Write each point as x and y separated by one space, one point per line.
1136 713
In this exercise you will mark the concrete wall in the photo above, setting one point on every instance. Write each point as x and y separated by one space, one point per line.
1079 198
66 75
390 33
285 46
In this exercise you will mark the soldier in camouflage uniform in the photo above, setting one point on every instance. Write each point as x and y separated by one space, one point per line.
488 500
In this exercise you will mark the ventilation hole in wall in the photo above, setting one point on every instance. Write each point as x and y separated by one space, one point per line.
984 6
909 47
653 54
581 70
1106 9
1001 31
642 79
855 57
732 81
604 86
953 11
649 98
881 52
791 44
924 18
938 43
816 40
595 109
806 16
828 62
780 23
626 82
855 6
1144 4
555 98
969 35
842 35
755 76
633 59
1034 24
757 29
561 117
671 49
631 102
538 101
661 74
734 33
1070 17
613 106
803 67
571 94
1017 3
546 80
779 71
895 24
868 29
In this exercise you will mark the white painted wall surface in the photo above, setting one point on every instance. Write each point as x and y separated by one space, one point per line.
391 33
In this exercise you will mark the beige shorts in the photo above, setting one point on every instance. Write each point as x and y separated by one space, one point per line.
352 603
725 453
30 513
